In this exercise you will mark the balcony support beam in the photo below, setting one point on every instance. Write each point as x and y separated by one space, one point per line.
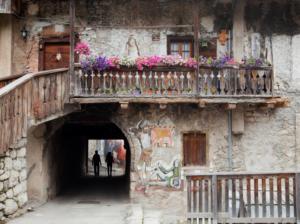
124 105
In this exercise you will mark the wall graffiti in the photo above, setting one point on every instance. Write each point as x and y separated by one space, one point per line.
162 137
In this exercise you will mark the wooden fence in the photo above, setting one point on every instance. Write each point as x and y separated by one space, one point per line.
243 198
35 96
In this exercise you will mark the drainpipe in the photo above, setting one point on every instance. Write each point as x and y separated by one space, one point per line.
229 150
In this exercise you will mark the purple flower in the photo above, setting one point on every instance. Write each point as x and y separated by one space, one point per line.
100 63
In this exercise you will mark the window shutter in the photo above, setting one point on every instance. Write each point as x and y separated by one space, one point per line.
194 149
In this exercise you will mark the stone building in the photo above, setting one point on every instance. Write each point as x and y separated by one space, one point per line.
175 137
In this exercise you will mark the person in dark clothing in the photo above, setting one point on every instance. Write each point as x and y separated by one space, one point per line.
96 162
109 161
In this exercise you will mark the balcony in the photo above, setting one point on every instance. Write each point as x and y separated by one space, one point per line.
175 84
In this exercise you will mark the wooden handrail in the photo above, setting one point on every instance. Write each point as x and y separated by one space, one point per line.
35 96
11 77
25 78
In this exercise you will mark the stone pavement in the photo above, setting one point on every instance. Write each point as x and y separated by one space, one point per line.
93 202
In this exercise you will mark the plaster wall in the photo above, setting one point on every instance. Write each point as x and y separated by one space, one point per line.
6 35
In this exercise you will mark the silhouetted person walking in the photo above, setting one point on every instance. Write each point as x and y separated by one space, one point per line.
96 162
109 161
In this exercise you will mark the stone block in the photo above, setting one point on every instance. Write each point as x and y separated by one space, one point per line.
22 199
17 165
23 175
13 154
4 176
13 179
21 153
10 193
17 189
2 206
2 197
10 207
8 163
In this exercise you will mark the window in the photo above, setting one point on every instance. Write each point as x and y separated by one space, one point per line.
194 149
183 46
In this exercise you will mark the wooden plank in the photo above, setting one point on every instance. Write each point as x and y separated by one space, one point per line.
249 202
257 220
287 196
242 212
279 197
233 197
189 195
264 204
215 199
256 197
297 197
200 195
271 185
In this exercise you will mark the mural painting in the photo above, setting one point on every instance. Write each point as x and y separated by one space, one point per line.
152 170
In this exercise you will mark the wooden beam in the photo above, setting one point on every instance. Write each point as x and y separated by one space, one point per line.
297 197
124 105
71 80
229 106
162 106
202 104
196 41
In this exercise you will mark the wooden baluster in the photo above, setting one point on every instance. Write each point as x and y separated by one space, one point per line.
163 83
268 81
144 88
256 197
123 76
189 83
137 86
92 88
118 85
111 89
264 203
220 194
176 84
249 201
86 83
287 196
271 183
156 88
279 197
195 196
226 195
213 83
189 194
181 82
214 198
254 75
200 195
105 83
206 195
233 197
151 85
297 197
218 83
130 85
169 86
243 81
242 210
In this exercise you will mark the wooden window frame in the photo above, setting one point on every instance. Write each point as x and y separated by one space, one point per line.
173 38
206 150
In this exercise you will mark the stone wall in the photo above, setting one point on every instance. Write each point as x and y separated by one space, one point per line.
13 181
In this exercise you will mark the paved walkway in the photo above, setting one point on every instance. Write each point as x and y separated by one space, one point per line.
93 202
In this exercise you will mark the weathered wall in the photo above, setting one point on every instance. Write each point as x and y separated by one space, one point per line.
6 34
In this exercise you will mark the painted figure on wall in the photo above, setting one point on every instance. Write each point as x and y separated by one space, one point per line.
132 49
162 137
167 175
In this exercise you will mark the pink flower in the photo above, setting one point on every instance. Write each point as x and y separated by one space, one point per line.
191 63
114 62
82 48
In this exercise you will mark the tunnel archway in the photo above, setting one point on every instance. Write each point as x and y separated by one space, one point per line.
61 161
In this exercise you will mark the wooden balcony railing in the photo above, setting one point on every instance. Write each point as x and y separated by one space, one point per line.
33 96
158 82
243 198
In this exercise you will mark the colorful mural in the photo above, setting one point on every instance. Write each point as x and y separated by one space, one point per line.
153 168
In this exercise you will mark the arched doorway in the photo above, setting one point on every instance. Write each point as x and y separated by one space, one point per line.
58 159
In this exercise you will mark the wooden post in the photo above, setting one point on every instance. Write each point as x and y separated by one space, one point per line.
215 199
71 78
196 43
297 197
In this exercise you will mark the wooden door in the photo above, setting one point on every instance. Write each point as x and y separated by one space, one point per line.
56 55
194 149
